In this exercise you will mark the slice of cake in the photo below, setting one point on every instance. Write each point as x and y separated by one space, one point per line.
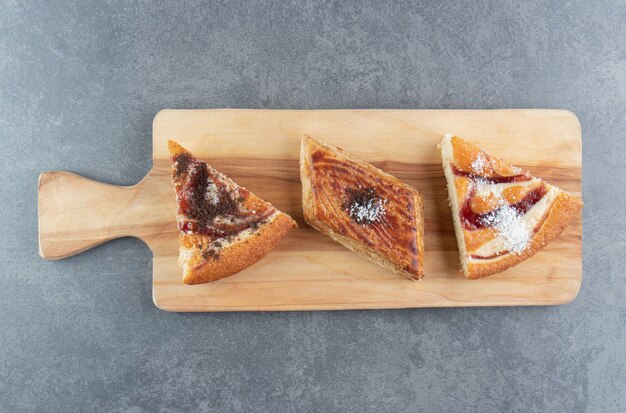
363 208
223 227
502 215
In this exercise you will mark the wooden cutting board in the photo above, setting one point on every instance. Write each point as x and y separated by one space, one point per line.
308 271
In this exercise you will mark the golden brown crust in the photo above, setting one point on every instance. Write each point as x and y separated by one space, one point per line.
401 250
563 211
235 257
175 149
205 258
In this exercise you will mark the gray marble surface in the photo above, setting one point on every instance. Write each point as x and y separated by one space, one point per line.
79 85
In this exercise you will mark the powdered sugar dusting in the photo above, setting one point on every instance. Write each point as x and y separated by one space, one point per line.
483 187
506 220
211 195
371 211
478 165
364 206
511 228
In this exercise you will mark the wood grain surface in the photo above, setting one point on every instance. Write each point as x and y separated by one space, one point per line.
308 271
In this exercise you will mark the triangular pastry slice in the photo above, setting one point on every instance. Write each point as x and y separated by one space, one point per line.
363 208
502 215
223 227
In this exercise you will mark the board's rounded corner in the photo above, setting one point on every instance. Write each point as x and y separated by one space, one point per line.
569 299
161 113
578 288
570 114
43 178
159 304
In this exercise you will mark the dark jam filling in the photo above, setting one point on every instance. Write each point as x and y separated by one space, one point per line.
199 207
222 230
473 221
181 164
491 180
363 205
200 213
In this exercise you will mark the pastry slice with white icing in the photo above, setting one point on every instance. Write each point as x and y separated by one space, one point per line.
502 215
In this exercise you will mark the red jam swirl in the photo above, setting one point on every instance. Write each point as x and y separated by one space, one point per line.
499 179
473 221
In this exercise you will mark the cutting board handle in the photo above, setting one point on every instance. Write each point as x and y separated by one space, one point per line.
77 213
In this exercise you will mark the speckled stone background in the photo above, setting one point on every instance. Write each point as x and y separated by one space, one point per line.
79 85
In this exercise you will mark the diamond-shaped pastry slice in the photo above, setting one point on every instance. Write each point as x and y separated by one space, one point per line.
363 208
